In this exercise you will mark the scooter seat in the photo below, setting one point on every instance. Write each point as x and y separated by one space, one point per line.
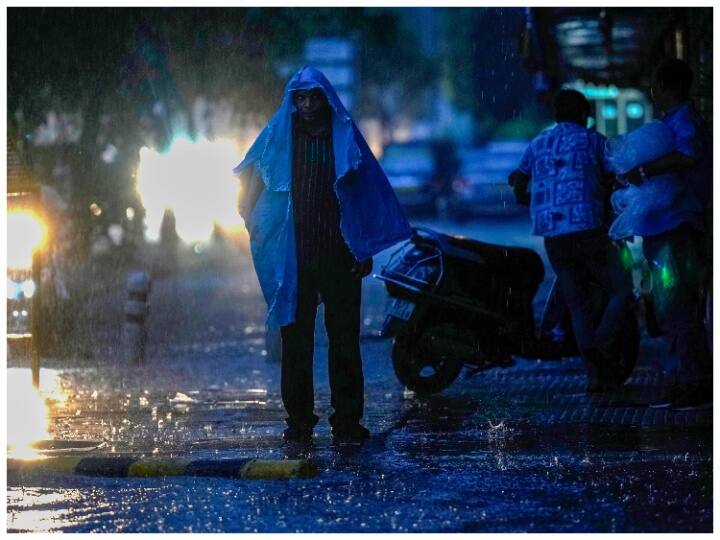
521 265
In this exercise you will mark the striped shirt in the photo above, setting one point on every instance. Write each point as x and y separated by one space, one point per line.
316 210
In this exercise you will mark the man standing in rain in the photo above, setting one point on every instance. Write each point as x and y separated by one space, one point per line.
677 254
317 207
564 167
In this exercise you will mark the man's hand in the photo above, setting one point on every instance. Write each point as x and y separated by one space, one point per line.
634 176
669 163
362 269
519 181
251 187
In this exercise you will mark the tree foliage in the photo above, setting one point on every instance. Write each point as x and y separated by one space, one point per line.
114 67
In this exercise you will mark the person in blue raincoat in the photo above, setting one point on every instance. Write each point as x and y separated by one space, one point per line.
318 207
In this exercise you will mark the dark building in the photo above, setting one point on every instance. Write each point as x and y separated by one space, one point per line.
617 46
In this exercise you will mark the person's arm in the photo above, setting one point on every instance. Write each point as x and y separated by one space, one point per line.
520 181
520 178
669 163
608 179
251 187
689 146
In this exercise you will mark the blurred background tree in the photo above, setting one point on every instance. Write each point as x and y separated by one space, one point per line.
106 81
128 77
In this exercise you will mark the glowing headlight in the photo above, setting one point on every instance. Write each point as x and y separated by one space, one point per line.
28 288
26 234
13 289
195 181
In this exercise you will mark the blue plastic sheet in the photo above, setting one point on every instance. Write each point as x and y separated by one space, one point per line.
646 209
371 217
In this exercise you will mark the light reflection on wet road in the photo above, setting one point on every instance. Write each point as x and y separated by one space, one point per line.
474 459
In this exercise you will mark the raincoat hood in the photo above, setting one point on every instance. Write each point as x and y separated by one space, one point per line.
271 153
371 217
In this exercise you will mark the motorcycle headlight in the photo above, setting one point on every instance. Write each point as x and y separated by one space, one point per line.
28 288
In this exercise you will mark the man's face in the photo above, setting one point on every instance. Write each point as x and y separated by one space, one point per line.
310 103
655 91
663 98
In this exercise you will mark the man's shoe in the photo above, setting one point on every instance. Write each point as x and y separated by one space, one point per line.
662 403
297 435
356 433
693 397
692 404
673 394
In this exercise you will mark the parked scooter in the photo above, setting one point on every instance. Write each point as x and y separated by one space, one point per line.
459 302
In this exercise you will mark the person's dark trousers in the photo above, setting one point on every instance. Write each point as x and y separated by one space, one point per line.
339 290
678 269
579 259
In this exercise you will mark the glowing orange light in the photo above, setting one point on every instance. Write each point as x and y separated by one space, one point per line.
26 234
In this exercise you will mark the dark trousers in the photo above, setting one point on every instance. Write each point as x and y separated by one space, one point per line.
339 290
579 259
678 273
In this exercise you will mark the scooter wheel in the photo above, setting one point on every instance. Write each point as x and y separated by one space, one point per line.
421 367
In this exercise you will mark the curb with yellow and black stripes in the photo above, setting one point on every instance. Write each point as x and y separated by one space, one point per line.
132 467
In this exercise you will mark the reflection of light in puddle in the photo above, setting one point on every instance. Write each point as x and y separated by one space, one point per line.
231 404
40 520
31 510
28 413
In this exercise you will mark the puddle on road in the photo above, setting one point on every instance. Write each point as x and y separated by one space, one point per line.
468 461
403 483
29 409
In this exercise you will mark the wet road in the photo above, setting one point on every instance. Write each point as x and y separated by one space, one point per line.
520 449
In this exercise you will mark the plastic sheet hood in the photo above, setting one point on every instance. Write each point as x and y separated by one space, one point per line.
371 217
